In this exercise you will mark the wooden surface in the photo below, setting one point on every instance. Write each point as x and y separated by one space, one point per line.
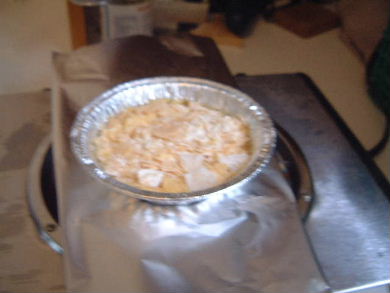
130 58
307 19
77 22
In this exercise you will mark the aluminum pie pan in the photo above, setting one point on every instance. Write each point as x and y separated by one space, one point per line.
94 115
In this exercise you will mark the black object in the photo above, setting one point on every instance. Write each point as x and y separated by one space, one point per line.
184 27
380 146
48 185
241 15
377 76
324 1
218 6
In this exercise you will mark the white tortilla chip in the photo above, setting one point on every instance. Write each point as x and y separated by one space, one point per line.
150 177
166 138
201 178
234 162
191 161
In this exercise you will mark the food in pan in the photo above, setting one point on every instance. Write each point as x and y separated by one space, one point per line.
173 146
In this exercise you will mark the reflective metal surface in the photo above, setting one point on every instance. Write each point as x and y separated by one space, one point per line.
289 159
297 171
93 116
349 222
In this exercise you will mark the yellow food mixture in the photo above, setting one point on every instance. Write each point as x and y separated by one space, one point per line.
173 146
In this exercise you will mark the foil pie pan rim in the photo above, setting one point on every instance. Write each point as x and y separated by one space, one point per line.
80 142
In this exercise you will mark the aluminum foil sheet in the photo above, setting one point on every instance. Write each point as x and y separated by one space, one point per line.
249 239
93 116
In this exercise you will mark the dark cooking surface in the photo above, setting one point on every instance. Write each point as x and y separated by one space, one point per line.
48 185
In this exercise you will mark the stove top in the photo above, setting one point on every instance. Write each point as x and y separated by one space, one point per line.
347 224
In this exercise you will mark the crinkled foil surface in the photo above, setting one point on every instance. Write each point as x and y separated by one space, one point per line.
247 239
